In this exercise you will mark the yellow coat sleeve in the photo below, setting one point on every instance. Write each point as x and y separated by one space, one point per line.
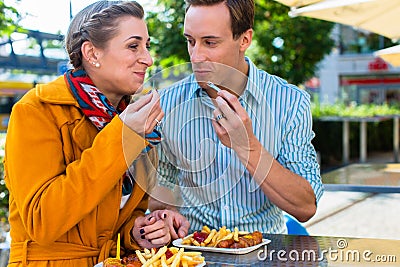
51 196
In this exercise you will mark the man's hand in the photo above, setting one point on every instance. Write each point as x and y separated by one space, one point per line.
235 128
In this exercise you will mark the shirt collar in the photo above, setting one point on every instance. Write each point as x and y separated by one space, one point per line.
194 89
253 86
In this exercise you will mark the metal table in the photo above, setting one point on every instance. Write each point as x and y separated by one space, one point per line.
301 250
364 177
293 250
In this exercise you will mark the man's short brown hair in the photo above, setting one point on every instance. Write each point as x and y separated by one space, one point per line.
241 11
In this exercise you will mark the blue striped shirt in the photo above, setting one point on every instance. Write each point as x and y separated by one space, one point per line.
215 187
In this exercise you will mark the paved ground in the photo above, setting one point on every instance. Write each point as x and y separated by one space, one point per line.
355 214
351 214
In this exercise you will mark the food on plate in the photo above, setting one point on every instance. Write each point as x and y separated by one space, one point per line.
116 262
223 238
112 262
128 261
162 257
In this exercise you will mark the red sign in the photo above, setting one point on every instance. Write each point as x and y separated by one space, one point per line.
376 80
378 64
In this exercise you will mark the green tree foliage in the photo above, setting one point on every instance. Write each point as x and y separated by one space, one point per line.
9 17
166 30
300 43
289 47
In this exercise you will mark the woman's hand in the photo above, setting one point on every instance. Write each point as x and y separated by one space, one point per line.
142 115
149 232
177 223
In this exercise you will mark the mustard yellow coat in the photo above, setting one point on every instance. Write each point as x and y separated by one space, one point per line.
65 181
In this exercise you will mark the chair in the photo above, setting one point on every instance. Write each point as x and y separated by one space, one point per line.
294 227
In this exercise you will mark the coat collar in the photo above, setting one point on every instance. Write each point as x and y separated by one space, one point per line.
56 92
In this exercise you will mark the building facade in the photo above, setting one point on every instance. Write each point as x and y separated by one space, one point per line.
351 73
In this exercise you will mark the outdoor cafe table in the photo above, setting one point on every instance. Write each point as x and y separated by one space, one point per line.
298 250
302 250
363 134
364 177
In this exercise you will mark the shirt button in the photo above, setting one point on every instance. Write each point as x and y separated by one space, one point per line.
226 207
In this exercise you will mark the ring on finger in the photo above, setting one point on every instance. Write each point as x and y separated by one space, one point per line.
219 117
158 122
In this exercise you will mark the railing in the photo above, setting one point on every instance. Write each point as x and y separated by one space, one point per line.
363 134
40 64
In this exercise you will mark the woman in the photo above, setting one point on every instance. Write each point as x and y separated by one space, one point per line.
70 142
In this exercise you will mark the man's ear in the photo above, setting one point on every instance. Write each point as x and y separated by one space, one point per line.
246 39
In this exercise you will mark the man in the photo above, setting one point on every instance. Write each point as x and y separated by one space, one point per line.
241 155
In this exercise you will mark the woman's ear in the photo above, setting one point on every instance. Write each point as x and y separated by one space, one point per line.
89 52
245 41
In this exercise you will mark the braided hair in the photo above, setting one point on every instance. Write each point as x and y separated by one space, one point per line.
97 23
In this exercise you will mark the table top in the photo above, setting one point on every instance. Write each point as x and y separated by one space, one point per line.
299 250
364 177
294 250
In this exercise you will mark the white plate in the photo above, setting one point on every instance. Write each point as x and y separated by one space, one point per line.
178 243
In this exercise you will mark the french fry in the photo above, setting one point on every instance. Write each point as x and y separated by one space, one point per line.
194 242
187 237
193 260
214 239
164 261
236 234
243 233
174 250
216 236
140 256
223 233
192 253
186 242
156 263
210 236
206 229
177 259
147 254
228 236
156 256
171 259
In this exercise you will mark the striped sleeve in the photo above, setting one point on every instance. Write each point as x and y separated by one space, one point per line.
297 152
